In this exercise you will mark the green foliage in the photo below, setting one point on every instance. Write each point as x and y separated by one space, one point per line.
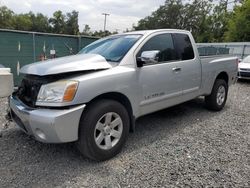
163 17
22 22
6 18
206 19
59 23
175 14
239 24
40 22
86 30
102 33
196 19
72 27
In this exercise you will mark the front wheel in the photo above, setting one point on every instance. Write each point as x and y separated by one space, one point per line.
218 97
104 128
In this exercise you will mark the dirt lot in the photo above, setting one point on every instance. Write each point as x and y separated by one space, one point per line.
184 146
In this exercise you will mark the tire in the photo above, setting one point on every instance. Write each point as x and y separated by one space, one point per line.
218 97
97 141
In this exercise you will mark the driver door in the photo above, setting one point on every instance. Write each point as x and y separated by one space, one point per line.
160 81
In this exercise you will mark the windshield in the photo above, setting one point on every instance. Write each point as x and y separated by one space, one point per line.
246 59
112 48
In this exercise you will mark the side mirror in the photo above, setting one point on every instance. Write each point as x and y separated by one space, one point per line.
148 57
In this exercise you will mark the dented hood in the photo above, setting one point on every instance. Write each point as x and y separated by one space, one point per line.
74 63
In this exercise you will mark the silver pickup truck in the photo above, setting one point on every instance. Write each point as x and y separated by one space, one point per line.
93 98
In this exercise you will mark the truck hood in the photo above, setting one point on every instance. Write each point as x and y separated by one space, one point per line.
74 63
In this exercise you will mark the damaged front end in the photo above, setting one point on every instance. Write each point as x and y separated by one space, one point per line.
29 88
49 124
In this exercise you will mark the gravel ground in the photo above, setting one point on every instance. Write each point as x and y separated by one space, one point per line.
184 146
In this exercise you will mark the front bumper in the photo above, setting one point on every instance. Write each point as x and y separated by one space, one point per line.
47 125
244 75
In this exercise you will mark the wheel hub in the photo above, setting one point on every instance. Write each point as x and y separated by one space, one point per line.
107 130
221 95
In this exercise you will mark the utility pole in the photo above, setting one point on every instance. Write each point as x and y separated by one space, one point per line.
105 20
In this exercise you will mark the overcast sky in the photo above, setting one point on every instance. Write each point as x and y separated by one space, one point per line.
123 13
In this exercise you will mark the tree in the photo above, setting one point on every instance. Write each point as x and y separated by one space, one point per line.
65 24
175 14
163 17
208 21
101 33
72 26
40 22
239 24
86 30
58 22
22 22
218 21
195 19
6 18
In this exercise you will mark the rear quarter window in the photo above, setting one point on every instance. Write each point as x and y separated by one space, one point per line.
183 46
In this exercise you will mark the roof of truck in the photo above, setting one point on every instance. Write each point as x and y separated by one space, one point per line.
143 32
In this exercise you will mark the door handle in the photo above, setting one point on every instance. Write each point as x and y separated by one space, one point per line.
176 69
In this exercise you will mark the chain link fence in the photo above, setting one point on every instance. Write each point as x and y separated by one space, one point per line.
239 49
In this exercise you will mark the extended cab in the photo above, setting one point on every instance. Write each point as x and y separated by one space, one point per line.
93 98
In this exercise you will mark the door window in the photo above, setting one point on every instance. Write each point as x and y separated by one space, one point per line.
163 43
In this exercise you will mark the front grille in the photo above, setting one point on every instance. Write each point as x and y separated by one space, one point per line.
244 69
244 74
29 89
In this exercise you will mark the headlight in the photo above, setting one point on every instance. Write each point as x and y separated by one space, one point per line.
57 92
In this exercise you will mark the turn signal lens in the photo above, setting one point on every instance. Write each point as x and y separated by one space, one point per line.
70 92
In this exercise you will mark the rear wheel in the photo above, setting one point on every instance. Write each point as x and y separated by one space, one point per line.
104 128
217 99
